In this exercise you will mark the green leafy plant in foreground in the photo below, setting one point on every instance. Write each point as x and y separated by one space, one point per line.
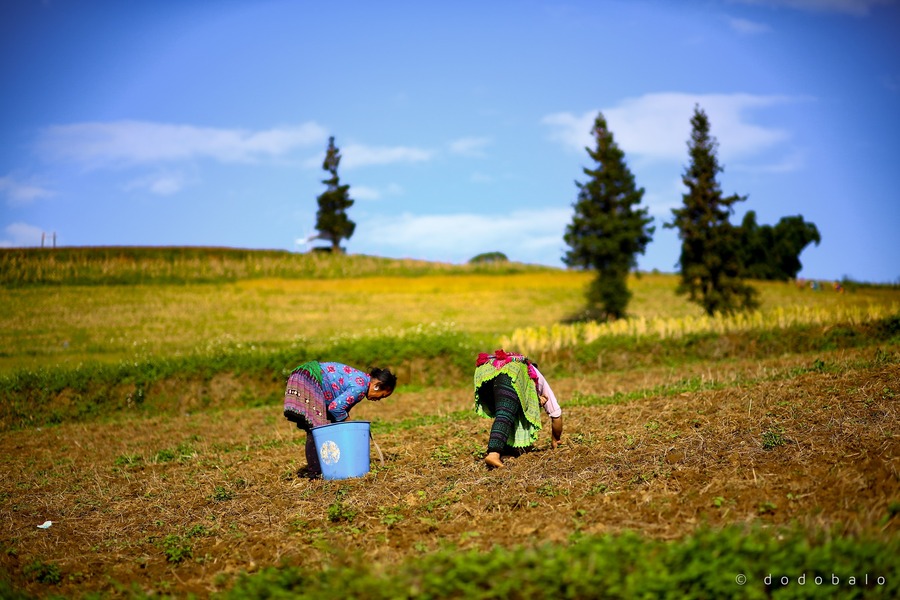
772 438
727 563
42 572
222 494
176 548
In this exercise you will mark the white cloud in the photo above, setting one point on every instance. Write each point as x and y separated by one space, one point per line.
858 8
19 193
657 126
478 177
359 155
788 164
161 184
166 186
21 234
661 202
470 146
527 235
747 27
365 192
571 130
135 142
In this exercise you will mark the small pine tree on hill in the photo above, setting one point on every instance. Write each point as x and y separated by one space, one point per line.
332 222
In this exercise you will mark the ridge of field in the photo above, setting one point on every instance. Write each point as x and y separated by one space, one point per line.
133 265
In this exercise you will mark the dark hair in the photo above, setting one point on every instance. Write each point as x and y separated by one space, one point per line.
384 377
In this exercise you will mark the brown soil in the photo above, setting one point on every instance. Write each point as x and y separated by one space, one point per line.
771 444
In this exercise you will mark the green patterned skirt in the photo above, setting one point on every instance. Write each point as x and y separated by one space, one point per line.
528 423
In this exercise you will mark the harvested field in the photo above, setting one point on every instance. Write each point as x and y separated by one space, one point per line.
183 504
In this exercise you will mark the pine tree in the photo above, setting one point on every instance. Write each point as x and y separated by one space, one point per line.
757 245
332 222
608 229
711 268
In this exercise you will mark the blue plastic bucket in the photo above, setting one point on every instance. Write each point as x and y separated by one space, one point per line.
343 449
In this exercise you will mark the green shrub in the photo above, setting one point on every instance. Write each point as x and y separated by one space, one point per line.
221 494
488 257
8 592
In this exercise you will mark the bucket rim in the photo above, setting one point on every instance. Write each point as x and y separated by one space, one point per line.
342 423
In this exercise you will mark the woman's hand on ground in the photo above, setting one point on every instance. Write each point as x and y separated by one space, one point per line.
556 428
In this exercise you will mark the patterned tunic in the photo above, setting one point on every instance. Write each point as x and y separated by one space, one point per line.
344 387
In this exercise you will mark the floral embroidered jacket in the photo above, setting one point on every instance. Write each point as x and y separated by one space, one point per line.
344 387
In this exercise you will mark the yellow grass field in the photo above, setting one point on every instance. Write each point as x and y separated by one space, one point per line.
73 324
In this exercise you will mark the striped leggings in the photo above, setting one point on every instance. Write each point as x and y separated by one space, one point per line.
506 407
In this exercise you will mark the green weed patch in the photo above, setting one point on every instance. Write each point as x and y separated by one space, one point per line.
726 563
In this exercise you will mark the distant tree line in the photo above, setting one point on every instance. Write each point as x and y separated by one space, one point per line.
609 229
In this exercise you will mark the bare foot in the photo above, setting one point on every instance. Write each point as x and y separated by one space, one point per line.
493 460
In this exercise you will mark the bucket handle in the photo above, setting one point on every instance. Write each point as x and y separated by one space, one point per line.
380 455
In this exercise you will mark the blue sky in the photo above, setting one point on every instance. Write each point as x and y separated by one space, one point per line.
462 124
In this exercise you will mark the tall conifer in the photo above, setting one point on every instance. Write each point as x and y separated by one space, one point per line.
608 228
711 267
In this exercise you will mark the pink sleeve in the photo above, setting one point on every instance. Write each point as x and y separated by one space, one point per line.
543 389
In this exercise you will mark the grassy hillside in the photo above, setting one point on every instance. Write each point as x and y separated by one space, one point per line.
700 457
132 265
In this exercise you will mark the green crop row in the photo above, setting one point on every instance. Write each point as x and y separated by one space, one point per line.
734 562
419 356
